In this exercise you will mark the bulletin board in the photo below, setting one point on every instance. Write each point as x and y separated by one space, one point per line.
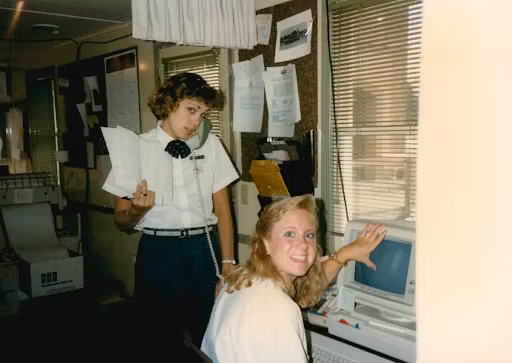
72 92
306 69
84 83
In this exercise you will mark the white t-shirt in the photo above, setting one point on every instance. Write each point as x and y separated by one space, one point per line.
258 324
184 208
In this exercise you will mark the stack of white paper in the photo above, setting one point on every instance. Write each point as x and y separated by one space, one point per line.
123 147
133 159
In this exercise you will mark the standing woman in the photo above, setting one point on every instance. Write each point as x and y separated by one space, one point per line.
185 216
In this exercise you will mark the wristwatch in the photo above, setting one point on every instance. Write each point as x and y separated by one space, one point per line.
233 262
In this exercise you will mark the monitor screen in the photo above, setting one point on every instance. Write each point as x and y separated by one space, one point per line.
392 260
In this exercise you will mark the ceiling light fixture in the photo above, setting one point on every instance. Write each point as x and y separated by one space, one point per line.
51 28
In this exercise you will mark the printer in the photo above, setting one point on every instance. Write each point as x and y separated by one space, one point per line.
29 238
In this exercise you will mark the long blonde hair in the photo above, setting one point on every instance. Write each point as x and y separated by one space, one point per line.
305 290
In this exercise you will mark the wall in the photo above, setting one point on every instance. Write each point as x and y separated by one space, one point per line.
464 183
245 151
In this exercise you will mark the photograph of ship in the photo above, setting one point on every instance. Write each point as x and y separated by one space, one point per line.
293 36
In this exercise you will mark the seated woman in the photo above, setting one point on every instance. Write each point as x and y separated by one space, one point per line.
257 316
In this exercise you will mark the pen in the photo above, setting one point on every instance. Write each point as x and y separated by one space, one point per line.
343 321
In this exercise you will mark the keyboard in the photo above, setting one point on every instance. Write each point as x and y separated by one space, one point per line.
321 355
327 350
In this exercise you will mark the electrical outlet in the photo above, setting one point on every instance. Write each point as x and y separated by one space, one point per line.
244 191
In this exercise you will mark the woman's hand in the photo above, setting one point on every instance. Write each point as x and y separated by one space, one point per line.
143 199
226 269
360 249
128 213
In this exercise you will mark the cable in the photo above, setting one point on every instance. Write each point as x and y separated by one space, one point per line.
336 132
203 210
107 41
78 44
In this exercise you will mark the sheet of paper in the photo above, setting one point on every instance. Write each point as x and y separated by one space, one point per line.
83 116
249 69
290 69
122 91
103 166
41 232
248 99
293 38
87 91
282 100
92 92
133 159
248 103
263 28
281 130
124 174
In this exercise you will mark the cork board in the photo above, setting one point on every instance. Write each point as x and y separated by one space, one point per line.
306 68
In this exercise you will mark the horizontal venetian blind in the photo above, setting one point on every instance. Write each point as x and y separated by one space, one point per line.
375 54
43 133
206 64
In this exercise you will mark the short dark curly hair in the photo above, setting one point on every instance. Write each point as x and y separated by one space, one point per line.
167 97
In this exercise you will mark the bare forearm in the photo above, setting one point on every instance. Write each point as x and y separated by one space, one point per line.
222 210
226 238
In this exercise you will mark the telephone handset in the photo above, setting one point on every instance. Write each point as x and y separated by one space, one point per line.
200 135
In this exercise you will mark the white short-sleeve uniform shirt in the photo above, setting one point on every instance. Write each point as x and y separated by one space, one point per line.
183 208
257 324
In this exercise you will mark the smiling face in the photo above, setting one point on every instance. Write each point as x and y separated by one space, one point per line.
292 243
185 119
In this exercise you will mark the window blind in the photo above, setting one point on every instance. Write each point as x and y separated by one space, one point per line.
43 128
375 63
207 65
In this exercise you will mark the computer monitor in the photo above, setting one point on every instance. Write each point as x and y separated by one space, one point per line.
391 288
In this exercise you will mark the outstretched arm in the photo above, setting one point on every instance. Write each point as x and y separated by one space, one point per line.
359 250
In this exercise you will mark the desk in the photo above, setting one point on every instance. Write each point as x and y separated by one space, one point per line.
323 331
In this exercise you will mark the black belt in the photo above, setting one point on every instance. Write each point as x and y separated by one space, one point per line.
181 233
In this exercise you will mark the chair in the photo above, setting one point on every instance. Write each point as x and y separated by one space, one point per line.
187 340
